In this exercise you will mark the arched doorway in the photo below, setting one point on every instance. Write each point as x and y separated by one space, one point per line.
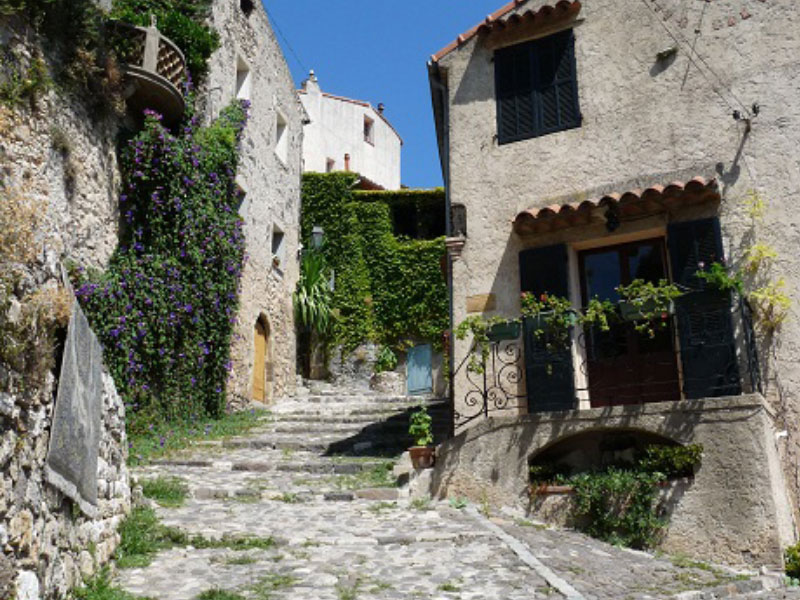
262 362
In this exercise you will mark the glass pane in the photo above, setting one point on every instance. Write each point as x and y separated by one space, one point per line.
603 275
646 262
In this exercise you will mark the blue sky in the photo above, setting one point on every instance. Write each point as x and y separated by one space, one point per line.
376 50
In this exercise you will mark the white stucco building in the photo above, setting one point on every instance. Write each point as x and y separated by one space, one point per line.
349 135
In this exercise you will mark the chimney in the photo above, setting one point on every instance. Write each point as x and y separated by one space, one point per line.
346 162
381 108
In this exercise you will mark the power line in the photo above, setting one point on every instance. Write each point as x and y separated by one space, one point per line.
285 39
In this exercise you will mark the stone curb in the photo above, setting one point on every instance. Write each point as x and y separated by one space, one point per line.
525 555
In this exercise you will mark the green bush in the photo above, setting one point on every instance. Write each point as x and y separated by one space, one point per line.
792 557
618 506
671 461
386 360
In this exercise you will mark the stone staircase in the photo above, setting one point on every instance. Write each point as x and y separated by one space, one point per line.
330 443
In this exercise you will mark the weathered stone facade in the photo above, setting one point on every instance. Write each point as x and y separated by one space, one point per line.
742 519
658 87
250 65
61 160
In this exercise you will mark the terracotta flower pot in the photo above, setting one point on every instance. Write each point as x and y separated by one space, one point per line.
422 457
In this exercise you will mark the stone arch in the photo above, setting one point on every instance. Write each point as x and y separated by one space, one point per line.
262 380
597 447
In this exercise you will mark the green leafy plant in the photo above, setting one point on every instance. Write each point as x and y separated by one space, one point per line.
165 308
386 360
388 288
421 427
479 328
772 304
21 84
671 461
618 506
312 298
100 587
651 303
721 278
792 558
597 313
553 316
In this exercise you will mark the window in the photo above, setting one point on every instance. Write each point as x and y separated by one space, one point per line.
278 248
369 130
330 165
281 137
247 6
243 79
536 87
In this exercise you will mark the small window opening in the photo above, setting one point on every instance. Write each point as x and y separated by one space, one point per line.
247 6
278 248
369 130
243 80
281 137
330 165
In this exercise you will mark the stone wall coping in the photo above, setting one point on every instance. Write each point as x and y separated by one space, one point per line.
609 416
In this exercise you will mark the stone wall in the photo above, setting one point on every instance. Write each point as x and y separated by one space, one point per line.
269 173
645 121
58 159
739 520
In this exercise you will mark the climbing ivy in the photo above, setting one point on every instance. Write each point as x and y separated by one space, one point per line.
388 288
165 308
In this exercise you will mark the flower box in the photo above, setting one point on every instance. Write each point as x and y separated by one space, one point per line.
632 312
509 330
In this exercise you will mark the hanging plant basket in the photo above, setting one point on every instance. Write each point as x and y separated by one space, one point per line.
632 312
509 330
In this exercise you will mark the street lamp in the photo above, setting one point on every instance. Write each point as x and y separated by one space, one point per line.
317 235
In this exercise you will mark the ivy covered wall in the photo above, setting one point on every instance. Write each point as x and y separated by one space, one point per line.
388 288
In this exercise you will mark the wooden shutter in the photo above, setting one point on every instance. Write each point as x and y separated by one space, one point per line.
549 375
536 87
705 326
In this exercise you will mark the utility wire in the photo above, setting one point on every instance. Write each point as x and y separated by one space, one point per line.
285 39
693 51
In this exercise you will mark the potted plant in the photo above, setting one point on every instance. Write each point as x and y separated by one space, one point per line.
420 429
551 317
648 304
507 330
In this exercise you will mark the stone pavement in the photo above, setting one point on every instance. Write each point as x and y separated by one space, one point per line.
338 538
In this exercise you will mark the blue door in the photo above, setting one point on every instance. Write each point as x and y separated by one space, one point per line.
419 370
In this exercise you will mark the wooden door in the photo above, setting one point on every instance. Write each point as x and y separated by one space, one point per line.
260 363
624 366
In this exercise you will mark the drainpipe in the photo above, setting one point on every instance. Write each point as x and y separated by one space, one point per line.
435 77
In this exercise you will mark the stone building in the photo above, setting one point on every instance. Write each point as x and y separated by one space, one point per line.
59 188
250 65
588 144
349 135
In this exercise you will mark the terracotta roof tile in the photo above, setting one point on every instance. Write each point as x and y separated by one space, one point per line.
652 199
496 21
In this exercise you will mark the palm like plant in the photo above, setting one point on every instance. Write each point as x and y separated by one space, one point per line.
312 299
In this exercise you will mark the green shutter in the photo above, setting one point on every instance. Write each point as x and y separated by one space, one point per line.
705 326
549 376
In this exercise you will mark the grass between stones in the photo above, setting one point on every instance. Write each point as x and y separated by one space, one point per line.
99 588
169 492
379 476
151 441
143 536
218 594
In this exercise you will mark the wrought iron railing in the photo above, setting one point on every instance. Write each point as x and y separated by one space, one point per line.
596 378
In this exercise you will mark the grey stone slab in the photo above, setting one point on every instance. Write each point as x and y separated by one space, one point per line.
75 438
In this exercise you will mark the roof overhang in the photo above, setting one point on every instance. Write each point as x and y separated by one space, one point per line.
634 204
511 18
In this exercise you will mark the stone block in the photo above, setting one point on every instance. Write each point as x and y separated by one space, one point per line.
27 586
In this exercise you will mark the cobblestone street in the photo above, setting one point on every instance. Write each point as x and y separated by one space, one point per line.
338 537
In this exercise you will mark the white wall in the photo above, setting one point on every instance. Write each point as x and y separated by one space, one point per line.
337 128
